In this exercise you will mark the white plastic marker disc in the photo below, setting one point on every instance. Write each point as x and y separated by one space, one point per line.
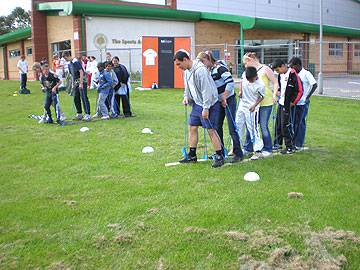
15 95
84 129
251 177
146 131
147 150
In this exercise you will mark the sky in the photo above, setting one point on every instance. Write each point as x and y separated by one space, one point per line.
9 5
26 4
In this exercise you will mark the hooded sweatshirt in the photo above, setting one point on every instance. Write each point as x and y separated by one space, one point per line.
200 88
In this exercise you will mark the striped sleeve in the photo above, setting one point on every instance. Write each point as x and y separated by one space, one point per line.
225 74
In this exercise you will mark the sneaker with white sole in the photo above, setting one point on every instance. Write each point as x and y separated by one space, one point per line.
266 154
78 116
62 117
105 117
256 156
287 151
87 117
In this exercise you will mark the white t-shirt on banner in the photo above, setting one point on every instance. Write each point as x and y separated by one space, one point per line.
150 56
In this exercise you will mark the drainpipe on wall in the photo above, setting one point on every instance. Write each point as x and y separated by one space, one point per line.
6 77
242 50
83 34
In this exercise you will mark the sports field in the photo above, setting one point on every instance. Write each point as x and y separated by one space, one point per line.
72 200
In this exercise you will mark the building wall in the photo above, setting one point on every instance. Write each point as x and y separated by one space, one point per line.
60 28
343 13
124 36
12 61
29 59
355 59
2 77
211 35
331 64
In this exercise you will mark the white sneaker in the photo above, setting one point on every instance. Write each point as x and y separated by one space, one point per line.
42 120
256 156
79 116
266 154
62 117
87 117
105 117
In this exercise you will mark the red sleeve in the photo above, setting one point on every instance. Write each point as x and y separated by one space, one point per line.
299 88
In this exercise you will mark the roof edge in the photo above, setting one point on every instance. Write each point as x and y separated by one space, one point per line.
15 36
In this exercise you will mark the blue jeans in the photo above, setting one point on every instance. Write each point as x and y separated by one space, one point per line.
264 116
300 123
230 113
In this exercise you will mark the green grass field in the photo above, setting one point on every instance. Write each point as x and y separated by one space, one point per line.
61 189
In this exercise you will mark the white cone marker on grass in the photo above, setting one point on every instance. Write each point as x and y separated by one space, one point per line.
147 150
251 177
84 129
146 131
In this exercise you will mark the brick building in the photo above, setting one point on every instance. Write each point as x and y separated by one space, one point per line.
226 27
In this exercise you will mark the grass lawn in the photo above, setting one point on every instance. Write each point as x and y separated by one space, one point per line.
94 201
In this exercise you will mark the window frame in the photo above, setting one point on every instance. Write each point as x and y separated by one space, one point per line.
336 49
18 54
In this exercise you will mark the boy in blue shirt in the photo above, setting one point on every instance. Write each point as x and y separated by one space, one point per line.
104 87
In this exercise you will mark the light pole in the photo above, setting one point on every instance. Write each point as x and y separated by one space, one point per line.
320 76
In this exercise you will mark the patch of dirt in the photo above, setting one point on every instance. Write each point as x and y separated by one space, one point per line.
152 210
315 256
195 230
58 266
160 265
260 239
103 177
123 238
114 226
234 235
295 195
70 203
101 242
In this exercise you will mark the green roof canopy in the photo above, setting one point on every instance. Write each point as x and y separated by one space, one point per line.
15 36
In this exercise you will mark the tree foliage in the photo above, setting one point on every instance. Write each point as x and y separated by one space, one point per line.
17 19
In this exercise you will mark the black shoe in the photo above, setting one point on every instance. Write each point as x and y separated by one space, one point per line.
218 161
236 159
49 121
59 122
287 151
188 159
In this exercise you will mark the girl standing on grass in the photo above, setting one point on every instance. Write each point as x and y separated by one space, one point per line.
266 75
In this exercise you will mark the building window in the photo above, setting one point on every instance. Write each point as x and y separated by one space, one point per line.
29 51
14 53
336 49
357 50
59 48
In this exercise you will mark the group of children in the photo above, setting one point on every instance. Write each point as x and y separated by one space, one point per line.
292 93
111 81
260 92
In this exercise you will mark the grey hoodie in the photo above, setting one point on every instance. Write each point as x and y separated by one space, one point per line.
200 88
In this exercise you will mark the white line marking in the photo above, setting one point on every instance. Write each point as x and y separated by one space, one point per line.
358 83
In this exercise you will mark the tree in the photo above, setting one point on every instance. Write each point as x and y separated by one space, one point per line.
19 18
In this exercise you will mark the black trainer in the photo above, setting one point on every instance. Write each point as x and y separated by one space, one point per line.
236 159
218 161
188 159
49 121
287 151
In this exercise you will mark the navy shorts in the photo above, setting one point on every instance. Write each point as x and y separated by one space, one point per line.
196 116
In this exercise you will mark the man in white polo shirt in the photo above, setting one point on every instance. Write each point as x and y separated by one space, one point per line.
23 67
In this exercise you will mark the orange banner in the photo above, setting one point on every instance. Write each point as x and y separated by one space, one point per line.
150 61
180 43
